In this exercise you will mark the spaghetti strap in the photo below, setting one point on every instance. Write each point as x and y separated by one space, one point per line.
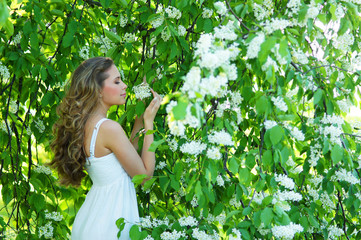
94 136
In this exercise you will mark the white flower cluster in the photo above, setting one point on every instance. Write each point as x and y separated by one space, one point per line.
309 83
340 11
221 138
286 196
268 124
344 42
165 34
279 103
207 13
236 235
344 105
161 165
4 72
263 11
175 235
297 134
299 57
173 145
149 238
221 8
157 21
225 32
315 154
181 30
233 202
173 12
326 201
123 20
146 222
84 52
188 221
258 197
16 39
286 232
39 125
294 6
313 11
105 43
129 37
343 175
142 91
214 153
13 106
56 216
334 232
270 63
334 130
200 235
194 148
42 169
285 181
292 92
220 181
276 24
255 46
46 231
194 202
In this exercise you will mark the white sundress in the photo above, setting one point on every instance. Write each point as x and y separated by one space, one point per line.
111 197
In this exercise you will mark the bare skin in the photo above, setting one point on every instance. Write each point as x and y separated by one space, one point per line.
111 136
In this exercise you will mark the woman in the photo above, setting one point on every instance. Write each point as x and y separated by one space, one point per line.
86 139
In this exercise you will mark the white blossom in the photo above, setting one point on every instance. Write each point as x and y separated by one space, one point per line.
221 138
340 11
344 42
173 12
194 202
220 181
13 106
4 72
285 181
221 8
236 235
193 147
299 56
286 232
255 45
142 91
315 154
268 124
43 169
123 20
294 6
279 103
161 165
165 34
297 134
334 232
225 32
46 231
181 30
270 63
174 235
157 21
84 52
286 196
16 39
188 221
275 24
105 43
176 128
173 145
343 175
214 153
129 37
56 216
207 13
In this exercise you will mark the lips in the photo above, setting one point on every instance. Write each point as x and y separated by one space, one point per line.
123 95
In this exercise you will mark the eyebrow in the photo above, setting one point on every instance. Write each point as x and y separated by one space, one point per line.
117 77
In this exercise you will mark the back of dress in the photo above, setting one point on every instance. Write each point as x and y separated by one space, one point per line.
111 197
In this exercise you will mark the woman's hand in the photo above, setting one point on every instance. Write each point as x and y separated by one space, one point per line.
152 110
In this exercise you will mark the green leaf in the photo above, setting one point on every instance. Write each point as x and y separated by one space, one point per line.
267 216
233 165
68 39
148 184
139 108
276 134
155 145
138 179
261 105
267 158
38 201
4 12
317 97
208 25
336 154
180 110
246 211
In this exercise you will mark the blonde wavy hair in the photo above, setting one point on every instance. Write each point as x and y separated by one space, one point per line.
81 99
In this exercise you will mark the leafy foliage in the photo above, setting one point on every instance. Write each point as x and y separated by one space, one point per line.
252 140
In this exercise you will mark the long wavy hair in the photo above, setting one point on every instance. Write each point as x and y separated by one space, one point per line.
81 99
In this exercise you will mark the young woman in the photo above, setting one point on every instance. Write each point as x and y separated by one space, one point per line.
86 140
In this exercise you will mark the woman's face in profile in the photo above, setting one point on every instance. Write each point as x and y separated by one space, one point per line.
113 91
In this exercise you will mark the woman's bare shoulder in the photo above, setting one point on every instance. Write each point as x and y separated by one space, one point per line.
111 127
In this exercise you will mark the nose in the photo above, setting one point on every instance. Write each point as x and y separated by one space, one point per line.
125 86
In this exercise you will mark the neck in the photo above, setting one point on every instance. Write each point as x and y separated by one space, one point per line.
101 111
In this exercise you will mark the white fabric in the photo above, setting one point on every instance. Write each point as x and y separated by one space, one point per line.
111 197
